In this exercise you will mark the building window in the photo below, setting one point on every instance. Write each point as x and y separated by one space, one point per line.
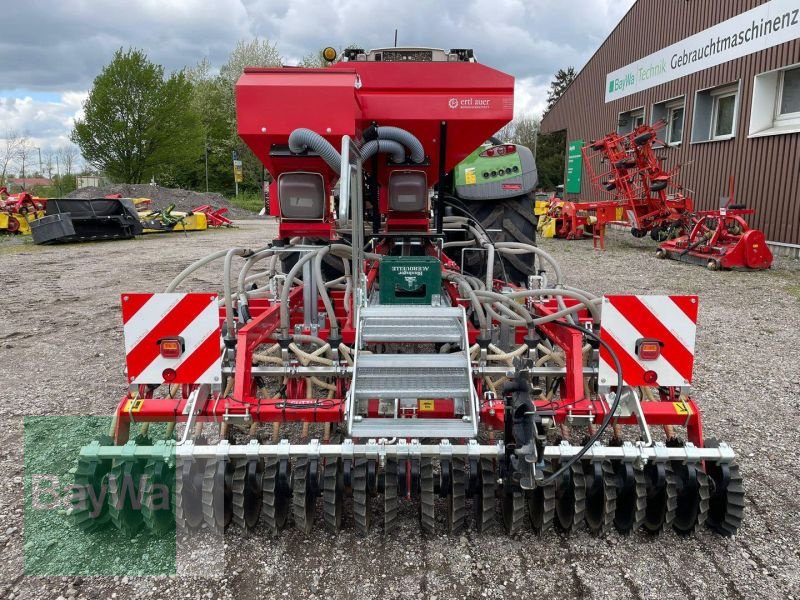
788 104
715 114
630 120
672 113
776 102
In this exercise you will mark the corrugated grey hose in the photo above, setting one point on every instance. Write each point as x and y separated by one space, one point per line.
408 139
395 149
303 139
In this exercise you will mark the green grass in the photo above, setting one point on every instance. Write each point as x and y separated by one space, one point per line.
252 201
794 291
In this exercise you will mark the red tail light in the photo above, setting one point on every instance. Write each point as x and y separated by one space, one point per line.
650 377
501 150
648 349
169 375
171 347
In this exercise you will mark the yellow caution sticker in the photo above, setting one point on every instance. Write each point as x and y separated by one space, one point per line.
681 408
133 405
426 405
470 178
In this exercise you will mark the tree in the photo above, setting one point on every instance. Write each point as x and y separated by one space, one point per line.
522 130
49 162
137 122
24 154
66 158
550 157
559 85
9 150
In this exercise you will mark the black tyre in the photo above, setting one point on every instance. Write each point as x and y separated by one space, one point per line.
332 266
510 220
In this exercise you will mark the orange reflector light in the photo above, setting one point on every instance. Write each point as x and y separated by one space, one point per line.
648 349
171 347
329 54
169 375
650 377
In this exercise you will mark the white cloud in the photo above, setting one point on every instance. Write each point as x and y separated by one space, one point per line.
530 39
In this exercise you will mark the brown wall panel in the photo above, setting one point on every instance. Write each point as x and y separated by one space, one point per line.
766 169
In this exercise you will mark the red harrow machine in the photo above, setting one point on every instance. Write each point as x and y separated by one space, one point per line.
351 363
627 167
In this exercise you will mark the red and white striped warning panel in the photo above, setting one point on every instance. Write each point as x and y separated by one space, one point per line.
172 338
653 338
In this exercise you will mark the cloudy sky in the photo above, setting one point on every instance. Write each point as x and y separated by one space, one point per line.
51 51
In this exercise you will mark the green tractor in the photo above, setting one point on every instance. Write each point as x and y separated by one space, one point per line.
494 185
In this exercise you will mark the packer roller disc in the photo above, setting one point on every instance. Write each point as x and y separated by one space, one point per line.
601 496
158 496
513 509
275 494
218 494
631 487
246 492
571 498
304 498
542 504
189 493
485 501
361 496
124 481
427 495
391 502
457 498
91 477
693 497
333 494
662 496
726 505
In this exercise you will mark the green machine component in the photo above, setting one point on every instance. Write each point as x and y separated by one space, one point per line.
410 279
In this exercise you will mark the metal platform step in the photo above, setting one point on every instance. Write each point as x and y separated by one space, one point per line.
388 376
409 324
412 428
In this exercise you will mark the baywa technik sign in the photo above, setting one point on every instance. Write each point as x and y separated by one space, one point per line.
770 24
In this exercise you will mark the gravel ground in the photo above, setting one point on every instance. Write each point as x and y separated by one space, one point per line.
61 351
184 200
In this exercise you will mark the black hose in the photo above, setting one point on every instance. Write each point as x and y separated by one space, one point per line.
607 420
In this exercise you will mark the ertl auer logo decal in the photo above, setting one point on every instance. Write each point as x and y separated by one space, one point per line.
473 103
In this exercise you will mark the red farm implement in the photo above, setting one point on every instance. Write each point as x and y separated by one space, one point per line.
413 379
627 168
215 216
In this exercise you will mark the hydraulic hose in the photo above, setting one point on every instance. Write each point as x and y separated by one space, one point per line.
227 286
303 139
284 310
396 151
610 415
192 268
323 291
408 139
589 303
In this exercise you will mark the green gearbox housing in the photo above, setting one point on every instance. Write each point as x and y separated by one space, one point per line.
410 279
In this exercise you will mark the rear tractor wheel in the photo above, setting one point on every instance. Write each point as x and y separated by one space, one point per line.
509 220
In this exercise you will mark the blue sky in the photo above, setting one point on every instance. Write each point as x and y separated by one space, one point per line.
530 39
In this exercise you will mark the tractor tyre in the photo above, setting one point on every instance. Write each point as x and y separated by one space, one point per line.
332 266
509 220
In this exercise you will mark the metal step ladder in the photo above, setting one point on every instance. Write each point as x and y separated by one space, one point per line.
399 381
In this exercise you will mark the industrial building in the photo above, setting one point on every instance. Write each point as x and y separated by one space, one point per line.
725 77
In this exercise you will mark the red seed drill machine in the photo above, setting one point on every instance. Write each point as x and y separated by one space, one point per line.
353 356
